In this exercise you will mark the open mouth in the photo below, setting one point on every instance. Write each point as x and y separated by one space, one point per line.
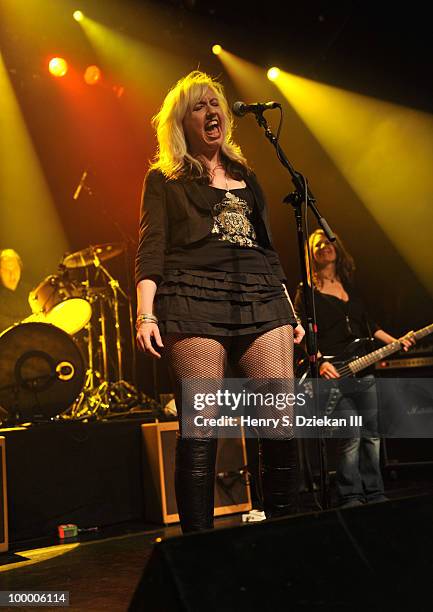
212 128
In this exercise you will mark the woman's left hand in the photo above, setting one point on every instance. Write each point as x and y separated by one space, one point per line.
298 334
407 341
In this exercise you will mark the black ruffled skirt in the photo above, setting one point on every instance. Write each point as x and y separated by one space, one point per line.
218 303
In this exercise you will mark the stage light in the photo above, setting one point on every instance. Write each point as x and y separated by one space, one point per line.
78 15
273 73
58 67
216 49
119 90
92 75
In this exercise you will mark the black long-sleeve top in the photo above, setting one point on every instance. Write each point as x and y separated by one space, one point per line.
338 322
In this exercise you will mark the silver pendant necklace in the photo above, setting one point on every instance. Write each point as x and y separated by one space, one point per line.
228 194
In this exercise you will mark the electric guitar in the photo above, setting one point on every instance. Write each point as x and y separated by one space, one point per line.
355 358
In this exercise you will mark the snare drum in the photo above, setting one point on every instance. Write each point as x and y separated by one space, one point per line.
59 301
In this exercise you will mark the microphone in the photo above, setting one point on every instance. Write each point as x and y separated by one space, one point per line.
80 185
240 108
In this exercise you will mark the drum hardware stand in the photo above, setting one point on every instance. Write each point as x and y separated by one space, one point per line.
102 340
120 393
116 289
91 399
99 396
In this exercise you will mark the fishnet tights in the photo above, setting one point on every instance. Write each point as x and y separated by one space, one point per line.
266 356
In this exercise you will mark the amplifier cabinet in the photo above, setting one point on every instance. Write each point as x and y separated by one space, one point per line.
159 443
412 392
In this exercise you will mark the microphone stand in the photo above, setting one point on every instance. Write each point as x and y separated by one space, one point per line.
301 194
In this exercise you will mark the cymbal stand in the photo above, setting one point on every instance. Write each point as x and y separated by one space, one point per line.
120 393
92 398
116 289
103 339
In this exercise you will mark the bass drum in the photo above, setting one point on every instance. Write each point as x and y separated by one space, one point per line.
42 372
61 302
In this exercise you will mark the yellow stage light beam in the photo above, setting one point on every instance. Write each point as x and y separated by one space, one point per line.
248 78
33 23
29 221
385 152
217 49
138 67
39 555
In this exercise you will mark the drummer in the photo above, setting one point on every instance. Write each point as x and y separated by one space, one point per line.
14 305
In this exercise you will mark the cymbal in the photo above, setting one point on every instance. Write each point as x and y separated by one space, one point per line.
86 257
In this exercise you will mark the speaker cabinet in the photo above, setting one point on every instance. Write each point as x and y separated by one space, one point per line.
232 494
406 416
4 537
377 557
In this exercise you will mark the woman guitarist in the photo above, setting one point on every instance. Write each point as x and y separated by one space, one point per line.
341 318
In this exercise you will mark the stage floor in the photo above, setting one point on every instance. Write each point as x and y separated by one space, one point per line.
101 570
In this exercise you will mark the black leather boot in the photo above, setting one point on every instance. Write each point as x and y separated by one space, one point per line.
194 480
279 473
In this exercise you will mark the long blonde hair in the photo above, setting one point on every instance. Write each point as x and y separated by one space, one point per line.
173 158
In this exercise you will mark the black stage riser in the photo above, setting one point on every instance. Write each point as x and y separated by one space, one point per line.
89 474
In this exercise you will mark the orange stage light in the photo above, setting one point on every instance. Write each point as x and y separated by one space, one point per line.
58 66
92 75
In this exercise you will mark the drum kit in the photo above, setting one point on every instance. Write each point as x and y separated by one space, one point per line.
44 374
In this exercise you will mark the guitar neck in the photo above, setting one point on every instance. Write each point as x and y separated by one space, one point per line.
364 362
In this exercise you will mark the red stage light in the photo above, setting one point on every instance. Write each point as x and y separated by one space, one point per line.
92 75
119 90
58 66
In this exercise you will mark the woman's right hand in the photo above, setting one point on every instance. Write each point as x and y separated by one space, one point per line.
145 333
328 371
